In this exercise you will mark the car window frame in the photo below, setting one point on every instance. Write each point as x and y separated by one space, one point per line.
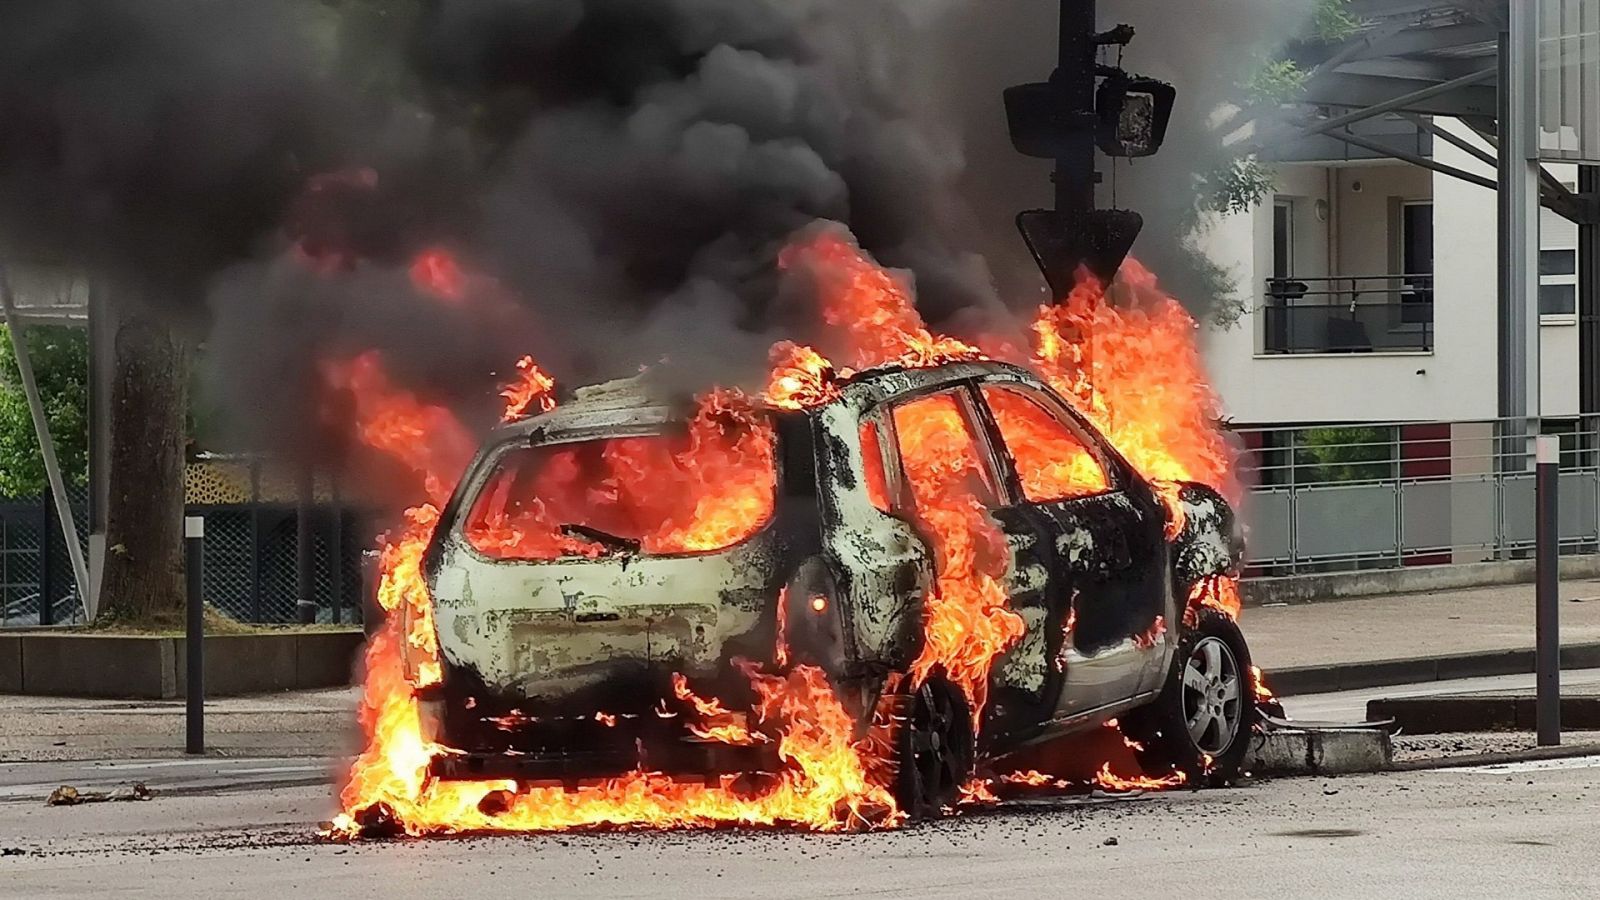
973 415
1064 415
894 481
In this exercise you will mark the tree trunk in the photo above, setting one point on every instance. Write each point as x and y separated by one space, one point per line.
143 581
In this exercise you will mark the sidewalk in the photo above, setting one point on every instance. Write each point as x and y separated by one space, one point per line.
1405 626
1308 647
302 723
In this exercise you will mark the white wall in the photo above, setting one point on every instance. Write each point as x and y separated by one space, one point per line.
1465 254
1457 380
1451 382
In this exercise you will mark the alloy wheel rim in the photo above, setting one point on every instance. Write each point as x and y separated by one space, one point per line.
1212 700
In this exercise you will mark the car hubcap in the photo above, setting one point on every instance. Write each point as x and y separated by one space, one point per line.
1211 696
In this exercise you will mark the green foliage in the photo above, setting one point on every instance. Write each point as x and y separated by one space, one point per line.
1275 81
1333 21
60 359
1227 303
368 40
1344 454
1238 186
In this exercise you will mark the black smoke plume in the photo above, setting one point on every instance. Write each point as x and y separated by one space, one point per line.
615 176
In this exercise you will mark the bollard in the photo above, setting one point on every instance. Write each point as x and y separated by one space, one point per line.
1547 608
194 532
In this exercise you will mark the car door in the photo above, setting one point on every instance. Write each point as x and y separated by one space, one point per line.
950 486
1106 587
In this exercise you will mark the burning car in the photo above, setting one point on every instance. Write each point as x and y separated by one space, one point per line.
970 564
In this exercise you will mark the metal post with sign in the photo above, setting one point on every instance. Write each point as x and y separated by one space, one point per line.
1565 46
194 643
1547 632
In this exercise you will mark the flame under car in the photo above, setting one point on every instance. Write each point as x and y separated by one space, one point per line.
607 574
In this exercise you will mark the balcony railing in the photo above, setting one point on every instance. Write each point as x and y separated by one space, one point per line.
1348 314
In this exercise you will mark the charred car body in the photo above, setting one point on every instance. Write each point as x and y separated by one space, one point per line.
571 662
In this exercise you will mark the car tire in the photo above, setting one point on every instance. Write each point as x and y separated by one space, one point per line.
1201 722
935 749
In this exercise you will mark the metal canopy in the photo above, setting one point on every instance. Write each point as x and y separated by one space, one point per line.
1370 96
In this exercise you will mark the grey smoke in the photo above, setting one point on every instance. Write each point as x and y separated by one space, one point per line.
1207 48
622 173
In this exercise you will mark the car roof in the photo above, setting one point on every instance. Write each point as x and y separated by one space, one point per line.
638 404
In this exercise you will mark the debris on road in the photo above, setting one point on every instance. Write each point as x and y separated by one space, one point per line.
67 795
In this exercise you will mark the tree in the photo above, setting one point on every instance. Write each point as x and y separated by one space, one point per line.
60 359
142 581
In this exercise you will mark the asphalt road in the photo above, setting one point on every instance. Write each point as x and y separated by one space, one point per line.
1525 831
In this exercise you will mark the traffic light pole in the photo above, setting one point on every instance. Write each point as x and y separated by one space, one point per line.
1075 174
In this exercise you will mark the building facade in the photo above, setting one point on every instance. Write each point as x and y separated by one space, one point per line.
1361 378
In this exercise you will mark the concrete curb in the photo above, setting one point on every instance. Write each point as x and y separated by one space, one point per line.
1294 752
1452 713
139 667
1473 760
1385 672
1330 586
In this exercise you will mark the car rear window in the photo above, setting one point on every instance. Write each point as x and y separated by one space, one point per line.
690 491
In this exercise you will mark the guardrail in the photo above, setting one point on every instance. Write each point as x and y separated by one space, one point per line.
1348 314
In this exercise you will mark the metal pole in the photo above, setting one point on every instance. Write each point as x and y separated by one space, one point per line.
47 447
1589 312
1519 231
305 601
255 541
47 575
1074 80
194 532
1547 636
336 552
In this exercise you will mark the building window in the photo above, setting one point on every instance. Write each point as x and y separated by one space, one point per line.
1282 238
1558 282
1558 299
1558 262
1416 260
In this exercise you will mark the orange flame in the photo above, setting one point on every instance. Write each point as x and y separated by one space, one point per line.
1258 683
1218 592
436 272
1133 368
1107 780
533 388
1138 379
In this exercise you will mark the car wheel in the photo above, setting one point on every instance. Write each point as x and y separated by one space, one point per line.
1200 723
935 749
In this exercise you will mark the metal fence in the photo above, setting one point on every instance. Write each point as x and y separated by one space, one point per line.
35 573
1409 493
1321 498
250 562
1348 314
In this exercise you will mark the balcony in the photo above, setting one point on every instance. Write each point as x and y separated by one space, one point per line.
1348 314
